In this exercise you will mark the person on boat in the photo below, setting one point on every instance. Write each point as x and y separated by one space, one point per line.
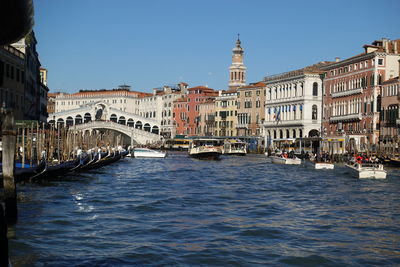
291 154
359 159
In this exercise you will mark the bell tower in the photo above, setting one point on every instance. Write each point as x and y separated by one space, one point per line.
237 70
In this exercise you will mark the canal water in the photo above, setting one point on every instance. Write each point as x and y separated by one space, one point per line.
239 211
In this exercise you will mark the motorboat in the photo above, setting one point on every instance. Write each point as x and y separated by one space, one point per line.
142 152
235 147
206 148
283 160
319 165
366 170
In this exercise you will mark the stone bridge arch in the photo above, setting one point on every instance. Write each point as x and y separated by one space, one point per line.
103 112
136 135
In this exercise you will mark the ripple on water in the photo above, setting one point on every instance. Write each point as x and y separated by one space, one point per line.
184 212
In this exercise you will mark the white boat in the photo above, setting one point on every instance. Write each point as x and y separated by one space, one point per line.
148 153
319 165
235 147
205 148
283 160
367 170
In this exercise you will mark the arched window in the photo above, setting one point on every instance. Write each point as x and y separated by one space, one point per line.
78 119
122 120
155 130
315 89
60 122
314 114
130 122
87 117
69 121
294 133
147 127
113 118
138 125
280 134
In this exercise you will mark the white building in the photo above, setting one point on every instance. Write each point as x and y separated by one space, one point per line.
293 103
121 98
167 95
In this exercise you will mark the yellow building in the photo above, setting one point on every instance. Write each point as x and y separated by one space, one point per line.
250 108
206 118
225 113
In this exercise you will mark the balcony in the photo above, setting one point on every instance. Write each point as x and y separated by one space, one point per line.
243 126
347 93
283 123
348 117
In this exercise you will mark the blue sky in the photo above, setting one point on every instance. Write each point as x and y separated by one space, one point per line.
94 44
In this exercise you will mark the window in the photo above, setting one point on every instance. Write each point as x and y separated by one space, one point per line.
314 112
315 89
380 61
247 104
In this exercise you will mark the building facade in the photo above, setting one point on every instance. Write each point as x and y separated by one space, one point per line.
44 90
12 80
168 95
293 104
389 116
352 94
51 102
237 70
226 113
206 126
121 98
250 109
32 95
186 109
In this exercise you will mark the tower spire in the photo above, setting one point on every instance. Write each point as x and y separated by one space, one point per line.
237 70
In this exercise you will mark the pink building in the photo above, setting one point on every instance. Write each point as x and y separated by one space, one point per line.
352 96
186 110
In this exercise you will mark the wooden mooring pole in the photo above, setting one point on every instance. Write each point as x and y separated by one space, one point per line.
9 138
3 239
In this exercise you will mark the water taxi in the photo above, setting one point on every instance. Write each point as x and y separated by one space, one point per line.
142 152
366 170
319 165
283 160
235 147
205 148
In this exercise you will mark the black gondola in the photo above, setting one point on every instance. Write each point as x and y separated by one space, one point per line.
52 171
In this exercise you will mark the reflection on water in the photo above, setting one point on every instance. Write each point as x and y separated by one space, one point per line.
182 211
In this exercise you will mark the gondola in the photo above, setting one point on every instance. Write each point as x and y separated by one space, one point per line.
83 160
51 171
23 174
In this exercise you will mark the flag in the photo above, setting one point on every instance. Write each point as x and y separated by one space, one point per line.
278 115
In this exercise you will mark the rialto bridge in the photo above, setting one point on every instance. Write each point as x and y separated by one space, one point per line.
100 116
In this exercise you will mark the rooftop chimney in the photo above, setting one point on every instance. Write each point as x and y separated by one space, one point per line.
385 44
337 59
